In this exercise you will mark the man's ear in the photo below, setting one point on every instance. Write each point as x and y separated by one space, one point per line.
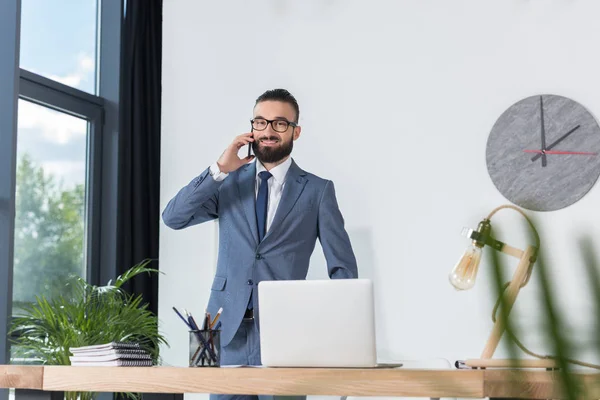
297 131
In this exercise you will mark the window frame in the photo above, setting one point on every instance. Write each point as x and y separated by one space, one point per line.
10 25
102 113
63 98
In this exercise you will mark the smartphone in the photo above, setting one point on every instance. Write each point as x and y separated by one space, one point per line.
250 146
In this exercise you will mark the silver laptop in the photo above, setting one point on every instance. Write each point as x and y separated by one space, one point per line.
317 323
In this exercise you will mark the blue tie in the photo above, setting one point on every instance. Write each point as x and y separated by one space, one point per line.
261 204
262 201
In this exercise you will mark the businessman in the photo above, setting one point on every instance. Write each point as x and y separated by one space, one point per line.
270 213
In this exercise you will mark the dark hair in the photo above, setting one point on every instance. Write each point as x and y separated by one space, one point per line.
280 95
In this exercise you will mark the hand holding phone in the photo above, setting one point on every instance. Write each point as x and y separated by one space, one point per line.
229 160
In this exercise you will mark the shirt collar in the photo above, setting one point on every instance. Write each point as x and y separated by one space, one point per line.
279 172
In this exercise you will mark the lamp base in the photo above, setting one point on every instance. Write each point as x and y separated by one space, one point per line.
510 363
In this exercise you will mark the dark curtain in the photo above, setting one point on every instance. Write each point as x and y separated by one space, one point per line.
139 144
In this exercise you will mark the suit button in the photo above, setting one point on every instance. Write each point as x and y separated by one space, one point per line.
258 257
250 282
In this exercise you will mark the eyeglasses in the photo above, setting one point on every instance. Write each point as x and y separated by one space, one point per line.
278 125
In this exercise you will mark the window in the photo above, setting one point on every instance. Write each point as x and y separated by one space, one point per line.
58 148
58 41
57 188
50 201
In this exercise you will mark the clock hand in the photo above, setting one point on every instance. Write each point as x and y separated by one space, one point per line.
543 132
581 153
560 139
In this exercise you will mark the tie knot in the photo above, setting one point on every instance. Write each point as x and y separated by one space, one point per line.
265 175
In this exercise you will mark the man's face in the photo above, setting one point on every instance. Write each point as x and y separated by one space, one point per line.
273 145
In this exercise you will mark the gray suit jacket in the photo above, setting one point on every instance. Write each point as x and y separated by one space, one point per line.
307 210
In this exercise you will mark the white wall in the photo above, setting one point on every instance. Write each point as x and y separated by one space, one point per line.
397 99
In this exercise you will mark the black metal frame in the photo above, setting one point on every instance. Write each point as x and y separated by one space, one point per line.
10 27
102 113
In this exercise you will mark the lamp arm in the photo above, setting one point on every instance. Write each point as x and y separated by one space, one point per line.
509 295
520 278
533 255
496 244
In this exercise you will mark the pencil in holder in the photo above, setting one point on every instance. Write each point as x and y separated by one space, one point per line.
205 348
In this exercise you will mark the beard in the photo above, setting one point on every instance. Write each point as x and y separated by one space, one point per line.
273 154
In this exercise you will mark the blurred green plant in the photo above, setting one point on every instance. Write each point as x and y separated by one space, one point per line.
560 345
48 328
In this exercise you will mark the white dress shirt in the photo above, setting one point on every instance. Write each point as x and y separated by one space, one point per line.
276 184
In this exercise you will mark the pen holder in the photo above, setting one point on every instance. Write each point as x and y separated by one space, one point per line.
205 348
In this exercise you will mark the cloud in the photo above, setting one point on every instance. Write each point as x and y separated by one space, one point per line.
85 69
55 126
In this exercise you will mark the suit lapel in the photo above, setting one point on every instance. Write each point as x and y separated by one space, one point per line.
246 186
294 184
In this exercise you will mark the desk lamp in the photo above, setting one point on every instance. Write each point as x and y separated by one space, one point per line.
463 277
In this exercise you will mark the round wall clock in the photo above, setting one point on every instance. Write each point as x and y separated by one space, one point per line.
543 152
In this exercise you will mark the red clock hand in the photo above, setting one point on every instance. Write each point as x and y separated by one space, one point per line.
582 153
557 141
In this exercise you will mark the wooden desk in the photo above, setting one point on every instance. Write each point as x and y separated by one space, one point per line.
289 381
21 377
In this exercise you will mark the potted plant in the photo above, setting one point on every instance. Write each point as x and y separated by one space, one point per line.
82 315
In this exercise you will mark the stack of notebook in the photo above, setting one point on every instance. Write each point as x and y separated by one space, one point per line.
115 354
